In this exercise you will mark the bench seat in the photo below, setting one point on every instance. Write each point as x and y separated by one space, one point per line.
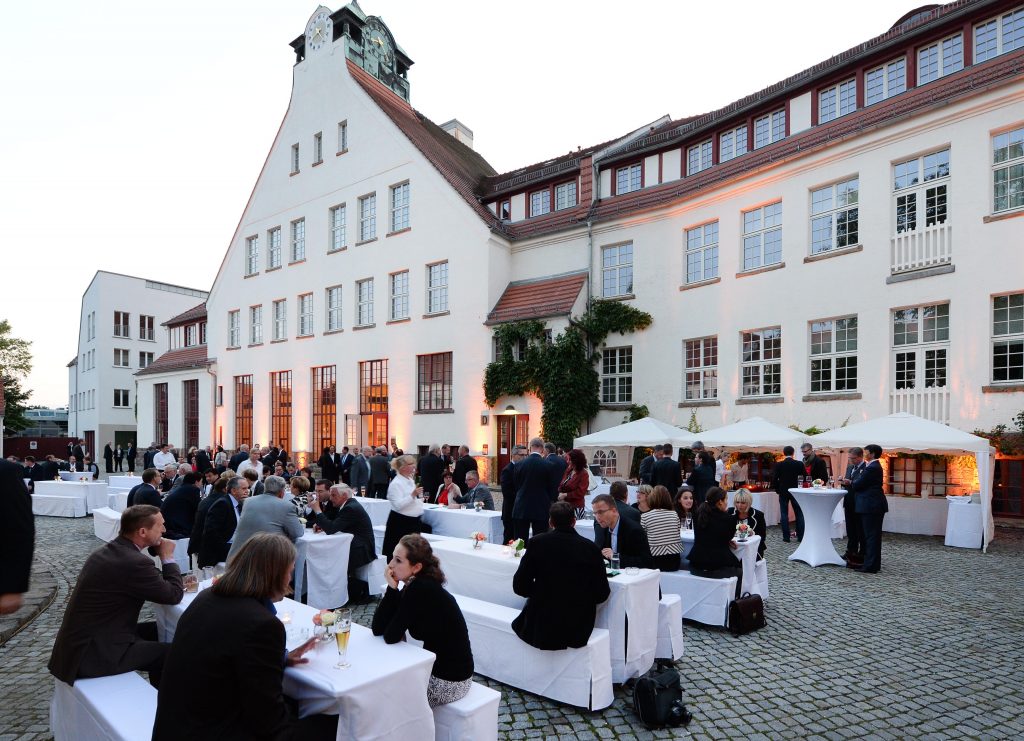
703 600
117 708
473 718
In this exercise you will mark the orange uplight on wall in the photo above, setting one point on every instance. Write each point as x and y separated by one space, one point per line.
485 448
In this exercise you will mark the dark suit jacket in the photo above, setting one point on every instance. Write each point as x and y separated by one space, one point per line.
563 579
359 477
819 469
17 529
558 465
79 457
222 679
218 528
345 465
701 479
147 458
144 494
852 472
329 466
647 469
196 538
711 539
379 470
867 488
351 518
667 473
130 455
632 541
236 460
431 470
786 475
534 495
102 615
625 510
462 466
179 510
508 492
108 454
203 463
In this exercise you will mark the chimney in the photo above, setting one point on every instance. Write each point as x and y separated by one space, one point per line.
460 131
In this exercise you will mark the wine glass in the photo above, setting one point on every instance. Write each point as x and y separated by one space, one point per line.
342 630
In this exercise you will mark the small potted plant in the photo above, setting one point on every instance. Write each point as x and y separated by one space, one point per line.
517 546
478 539
742 531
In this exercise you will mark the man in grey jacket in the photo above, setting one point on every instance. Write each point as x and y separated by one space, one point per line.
267 513
478 492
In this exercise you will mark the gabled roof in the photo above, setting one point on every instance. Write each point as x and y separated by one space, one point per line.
182 359
536 299
191 315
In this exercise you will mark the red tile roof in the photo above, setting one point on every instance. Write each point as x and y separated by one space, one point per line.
536 299
196 312
186 357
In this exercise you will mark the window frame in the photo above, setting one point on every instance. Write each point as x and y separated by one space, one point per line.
618 269
920 348
731 152
147 326
295 159
256 324
124 396
940 56
1008 338
399 210
833 214
776 127
305 315
342 136
832 355
428 384
566 185
337 228
297 232
842 89
886 81
999 22
623 386
631 168
437 291
1008 165
700 157
122 358
760 234
235 328
123 328
761 363
279 320
540 202
910 203
704 372
364 303
398 299
701 252
333 310
367 217
318 148
274 258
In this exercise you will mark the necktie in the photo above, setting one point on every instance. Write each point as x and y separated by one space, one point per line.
239 508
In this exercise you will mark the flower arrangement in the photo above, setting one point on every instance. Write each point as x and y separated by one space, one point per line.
743 531
324 618
518 546
817 483
478 538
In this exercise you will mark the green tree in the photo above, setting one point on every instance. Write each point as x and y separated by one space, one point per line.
15 364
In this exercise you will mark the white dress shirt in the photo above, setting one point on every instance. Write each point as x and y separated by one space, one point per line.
400 494
162 459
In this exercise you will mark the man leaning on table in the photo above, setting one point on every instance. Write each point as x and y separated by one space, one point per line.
101 635
478 492
348 516
267 513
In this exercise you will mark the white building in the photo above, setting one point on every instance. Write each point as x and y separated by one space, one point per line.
843 244
117 335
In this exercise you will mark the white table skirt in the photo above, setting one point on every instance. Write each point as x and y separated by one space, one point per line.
818 506
123 482
117 499
487 574
631 492
322 565
75 475
916 515
377 509
94 493
963 524
356 694
459 523
106 523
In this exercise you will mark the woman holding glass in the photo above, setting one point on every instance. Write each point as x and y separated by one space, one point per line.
430 614
406 501
684 507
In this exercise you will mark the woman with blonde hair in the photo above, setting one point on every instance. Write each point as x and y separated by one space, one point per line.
743 511
406 499
642 493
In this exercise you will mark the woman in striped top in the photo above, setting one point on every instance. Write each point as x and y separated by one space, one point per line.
661 524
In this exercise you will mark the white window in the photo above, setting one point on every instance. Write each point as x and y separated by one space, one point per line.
700 377
702 253
121 358
274 248
761 362
617 375
769 128
399 295
295 158
400 207
298 240
607 462
122 320
940 59
255 325
191 335
120 397
732 143
920 190
540 202
999 35
280 325
617 270
834 217
886 81
437 288
698 157
364 302
145 359
1008 338
762 236
833 361
1008 170
333 308
146 327
629 178
343 136
234 328
318 148
565 195
837 101
337 222
920 338
305 315
368 217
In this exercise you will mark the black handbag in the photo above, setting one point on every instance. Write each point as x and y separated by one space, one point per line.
746 614
658 699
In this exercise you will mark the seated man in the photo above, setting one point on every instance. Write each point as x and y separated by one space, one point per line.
322 493
169 474
100 635
220 522
614 533
563 579
146 492
478 492
179 508
348 517
620 493
268 512
92 468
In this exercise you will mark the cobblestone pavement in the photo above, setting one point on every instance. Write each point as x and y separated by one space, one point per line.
930 648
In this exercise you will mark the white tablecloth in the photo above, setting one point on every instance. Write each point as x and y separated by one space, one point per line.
120 707
123 482
322 565
963 523
606 489
377 509
459 523
818 506
93 493
487 574
360 694
75 475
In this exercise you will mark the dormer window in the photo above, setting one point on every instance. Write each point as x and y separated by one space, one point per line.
191 335
565 195
629 178
505 210
540 202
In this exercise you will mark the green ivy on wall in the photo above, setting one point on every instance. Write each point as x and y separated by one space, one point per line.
560 371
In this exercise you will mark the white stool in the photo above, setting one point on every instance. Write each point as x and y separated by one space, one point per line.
373 574
473 718
118 708
761 578
106 523
670 628
704 600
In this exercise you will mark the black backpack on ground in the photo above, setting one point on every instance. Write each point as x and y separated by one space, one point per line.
658 699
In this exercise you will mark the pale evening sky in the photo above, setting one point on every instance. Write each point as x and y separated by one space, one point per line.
134 132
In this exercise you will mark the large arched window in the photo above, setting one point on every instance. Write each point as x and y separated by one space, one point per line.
607 461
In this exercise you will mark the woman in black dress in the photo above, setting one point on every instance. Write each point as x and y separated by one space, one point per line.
713 529
703 476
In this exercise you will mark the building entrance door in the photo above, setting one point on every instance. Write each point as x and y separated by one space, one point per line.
513 429
1008 488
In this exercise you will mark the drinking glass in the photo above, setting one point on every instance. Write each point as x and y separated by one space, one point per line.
803 482
191 581
219 569
342 630
615 561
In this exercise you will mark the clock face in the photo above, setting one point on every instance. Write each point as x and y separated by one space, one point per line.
319 31
377 43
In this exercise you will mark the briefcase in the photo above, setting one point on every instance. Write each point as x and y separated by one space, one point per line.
746 614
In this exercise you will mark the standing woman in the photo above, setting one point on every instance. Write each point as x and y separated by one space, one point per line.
220 461
703 476
430 614
406 504
713 529
661 524
576 482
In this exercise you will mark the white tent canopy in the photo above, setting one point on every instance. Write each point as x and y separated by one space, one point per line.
754 434
906 433
643 433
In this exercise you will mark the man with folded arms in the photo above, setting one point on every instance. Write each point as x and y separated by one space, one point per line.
101 635
346 515
563 579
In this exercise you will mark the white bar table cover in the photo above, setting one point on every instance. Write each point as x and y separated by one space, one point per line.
963 523
816 548
322 565
377 509
93 493
459 523
123 482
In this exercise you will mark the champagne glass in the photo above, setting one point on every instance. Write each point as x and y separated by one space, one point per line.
342 630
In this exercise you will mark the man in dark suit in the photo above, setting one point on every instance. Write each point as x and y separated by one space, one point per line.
532 479
36 472
563 578
667 472
508 492
359 473
647 465
349 517
431 469
558 465
130 455
620 493
195 540
466 463
147 492
854 527
871 506
380 474
179 508
330 465
17 536
203 462
108 457
236 460
147 457
100 635
220 523
785 476
616 534
79 453
814 466
345 464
